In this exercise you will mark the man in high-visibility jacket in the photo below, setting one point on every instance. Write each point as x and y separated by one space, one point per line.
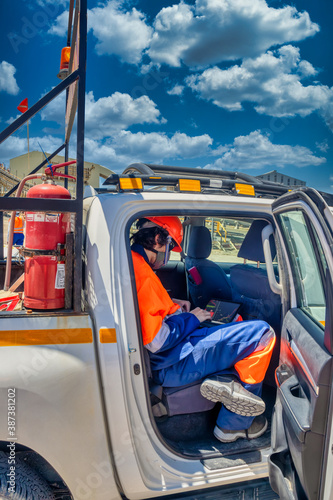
18 235
232 359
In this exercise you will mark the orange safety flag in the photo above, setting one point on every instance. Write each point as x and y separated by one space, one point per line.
252 369
23 106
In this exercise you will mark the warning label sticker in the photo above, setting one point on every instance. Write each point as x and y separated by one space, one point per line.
51 218
39 217
60 277
30 217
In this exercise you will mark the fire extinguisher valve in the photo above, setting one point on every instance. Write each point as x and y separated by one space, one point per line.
51 171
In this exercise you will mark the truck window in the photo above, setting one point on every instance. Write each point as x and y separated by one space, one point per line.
308 263
227 237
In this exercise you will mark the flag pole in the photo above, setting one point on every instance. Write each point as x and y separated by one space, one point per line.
23 107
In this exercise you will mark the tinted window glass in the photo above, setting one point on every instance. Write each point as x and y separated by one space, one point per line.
308 263
227 238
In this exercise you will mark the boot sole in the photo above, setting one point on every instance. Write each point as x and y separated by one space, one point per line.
234 397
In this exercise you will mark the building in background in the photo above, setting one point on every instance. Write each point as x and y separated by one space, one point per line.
286 180
8 181
94 174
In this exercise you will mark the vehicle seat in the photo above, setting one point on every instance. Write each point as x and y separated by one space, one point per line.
170 401
250 285
208 281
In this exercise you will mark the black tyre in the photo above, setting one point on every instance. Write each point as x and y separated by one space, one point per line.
28 485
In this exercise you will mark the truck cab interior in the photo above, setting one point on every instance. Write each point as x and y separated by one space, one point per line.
227 254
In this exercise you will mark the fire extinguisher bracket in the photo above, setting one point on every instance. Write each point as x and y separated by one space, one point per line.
59 252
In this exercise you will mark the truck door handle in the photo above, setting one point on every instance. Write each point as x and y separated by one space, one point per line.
282 373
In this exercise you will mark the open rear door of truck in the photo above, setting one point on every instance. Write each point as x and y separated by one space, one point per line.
301 462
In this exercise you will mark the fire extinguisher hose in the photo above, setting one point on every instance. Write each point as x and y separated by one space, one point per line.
11 230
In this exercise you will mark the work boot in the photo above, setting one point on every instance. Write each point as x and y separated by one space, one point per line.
233 395
257 428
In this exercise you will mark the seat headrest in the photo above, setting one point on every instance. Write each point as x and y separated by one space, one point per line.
251 248
200 244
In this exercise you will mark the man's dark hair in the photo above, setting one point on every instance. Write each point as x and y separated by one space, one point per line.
145 236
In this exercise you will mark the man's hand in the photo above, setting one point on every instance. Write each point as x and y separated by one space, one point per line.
184 304
201 314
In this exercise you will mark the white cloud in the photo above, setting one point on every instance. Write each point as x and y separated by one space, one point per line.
271 81
55 110
206 33
16 146
118 111
254 151
212 31
60 26
13 118
176 90
323 146
124 148
327 110
108 114
156 146
45 3
7 80
257 151
118 32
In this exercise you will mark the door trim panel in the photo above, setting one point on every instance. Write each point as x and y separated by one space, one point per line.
296 406
300 360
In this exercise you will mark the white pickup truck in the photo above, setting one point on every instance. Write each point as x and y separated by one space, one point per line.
80 415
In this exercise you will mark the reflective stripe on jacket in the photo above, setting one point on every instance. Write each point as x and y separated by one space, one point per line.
154 301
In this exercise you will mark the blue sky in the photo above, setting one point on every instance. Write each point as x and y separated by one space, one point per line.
243 85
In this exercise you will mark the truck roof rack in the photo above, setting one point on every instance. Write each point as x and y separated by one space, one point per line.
138 175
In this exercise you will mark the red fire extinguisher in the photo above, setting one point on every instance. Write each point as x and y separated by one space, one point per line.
45 237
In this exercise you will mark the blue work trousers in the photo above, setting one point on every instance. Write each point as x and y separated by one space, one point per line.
18 238
216 351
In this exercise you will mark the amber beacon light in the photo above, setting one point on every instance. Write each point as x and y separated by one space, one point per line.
64 62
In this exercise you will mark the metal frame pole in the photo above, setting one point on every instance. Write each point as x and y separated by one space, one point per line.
1 236
69 32
38 106
80 155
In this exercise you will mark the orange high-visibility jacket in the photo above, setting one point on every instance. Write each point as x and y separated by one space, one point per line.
19 225
154 301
